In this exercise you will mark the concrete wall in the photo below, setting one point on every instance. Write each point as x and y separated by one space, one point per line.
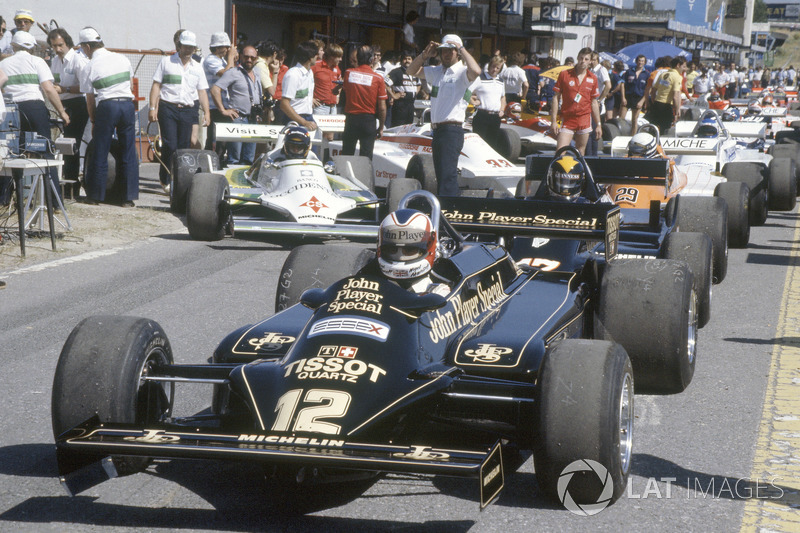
139 24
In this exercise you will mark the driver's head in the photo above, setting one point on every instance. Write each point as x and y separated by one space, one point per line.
566 177
296 143
406 245
754 108
707 129
643 145
730 115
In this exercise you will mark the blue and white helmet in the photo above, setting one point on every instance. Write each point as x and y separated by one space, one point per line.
708 128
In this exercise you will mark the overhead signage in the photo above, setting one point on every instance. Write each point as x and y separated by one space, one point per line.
456 3
581 17
692 12
509 7
552 12
604 22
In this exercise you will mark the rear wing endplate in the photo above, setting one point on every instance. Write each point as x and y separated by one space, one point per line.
541 218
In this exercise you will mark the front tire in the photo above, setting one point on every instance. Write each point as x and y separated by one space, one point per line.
101 370
736 196
695 250
185 164
207 208
585 411
782 184
710 216
752 175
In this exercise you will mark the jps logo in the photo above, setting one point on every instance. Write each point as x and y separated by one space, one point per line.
487 353
271 341
157 436
423 453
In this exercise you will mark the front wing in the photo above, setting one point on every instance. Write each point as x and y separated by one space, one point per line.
79 449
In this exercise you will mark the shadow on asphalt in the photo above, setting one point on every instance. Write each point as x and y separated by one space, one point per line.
786 341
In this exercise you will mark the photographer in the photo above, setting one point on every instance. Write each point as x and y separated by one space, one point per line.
245 95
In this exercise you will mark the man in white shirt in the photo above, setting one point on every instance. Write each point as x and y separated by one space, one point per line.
297 98
178 82
514 78
604 85
66 66
106 82
721 83
28 78
218 62
452 83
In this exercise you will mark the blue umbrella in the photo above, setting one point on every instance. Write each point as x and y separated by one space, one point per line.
652 50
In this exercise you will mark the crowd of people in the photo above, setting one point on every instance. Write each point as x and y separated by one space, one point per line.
263 83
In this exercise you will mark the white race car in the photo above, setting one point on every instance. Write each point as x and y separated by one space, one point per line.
282 192
405 152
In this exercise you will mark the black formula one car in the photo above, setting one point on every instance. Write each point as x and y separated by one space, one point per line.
364 377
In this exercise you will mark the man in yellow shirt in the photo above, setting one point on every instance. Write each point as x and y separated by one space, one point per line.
666 96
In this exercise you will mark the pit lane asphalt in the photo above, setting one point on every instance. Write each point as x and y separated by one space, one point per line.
693 453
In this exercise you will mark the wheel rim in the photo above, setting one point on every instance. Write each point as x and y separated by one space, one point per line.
691 338
626 422
154 398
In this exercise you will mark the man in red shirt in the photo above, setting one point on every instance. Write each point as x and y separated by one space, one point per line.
326 74
578 90
280 117
366 100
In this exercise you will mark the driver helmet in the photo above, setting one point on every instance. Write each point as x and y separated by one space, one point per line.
708 129
296 143
566 177
406 245
767 100
643 145
753 108
515 110
714 97
731 115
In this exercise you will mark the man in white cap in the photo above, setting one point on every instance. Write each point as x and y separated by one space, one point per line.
106 82
29 77
178 82
452 83
23 21
221 59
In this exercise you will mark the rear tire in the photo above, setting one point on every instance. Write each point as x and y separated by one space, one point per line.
736 196
185 164
398 188
207 208
100 371
420 168
709 216
782 184
657 327
313 266
596 424
622 125
610 131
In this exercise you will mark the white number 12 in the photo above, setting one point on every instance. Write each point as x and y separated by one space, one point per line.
335 405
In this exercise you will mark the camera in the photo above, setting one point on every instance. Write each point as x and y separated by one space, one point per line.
256 114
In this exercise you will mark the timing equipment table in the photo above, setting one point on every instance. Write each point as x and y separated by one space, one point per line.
20 168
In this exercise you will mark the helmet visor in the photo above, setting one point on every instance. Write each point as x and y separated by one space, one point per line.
403 253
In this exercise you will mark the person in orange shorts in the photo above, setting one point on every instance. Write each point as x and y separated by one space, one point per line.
576 92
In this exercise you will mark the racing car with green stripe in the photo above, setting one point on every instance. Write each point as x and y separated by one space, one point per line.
355 375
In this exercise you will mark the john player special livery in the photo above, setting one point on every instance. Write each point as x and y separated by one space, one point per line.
364 376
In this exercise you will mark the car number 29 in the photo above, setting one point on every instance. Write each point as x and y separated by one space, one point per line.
626 194
332 404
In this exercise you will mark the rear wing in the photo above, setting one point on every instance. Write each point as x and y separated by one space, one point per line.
689 145
617 170
684 128
540 218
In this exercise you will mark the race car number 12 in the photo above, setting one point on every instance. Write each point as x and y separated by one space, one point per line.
334 405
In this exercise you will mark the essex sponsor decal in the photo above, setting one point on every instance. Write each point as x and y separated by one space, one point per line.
294 441
358 294
489 217
444 324
333 368
487 353
351 324
270 342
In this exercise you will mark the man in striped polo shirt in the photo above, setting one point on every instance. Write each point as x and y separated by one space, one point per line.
29 77
106 81
178 82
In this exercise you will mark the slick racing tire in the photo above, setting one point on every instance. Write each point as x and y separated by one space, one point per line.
622 125
709 216
736 196
114 192
361 166
649 307
100 371
509 144
782 184
610 131
787 137
420 168
788 150
319 266
752 175
184 164
398 188
596 424
207 207
695 249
